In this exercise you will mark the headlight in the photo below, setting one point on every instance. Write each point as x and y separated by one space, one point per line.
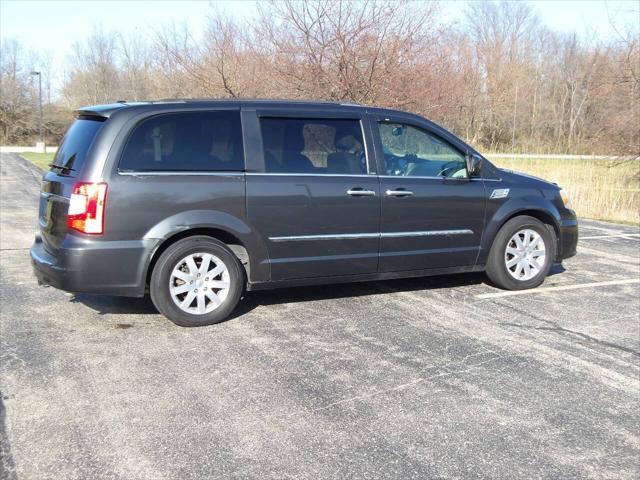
564 195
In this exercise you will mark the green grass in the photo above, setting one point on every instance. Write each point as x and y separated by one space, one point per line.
41 160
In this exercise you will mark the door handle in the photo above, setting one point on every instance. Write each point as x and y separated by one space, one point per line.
399 193
359 192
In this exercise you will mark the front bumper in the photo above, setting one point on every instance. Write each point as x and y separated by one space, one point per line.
111 268
568 241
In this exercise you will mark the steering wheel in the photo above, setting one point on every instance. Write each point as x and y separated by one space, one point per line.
449 169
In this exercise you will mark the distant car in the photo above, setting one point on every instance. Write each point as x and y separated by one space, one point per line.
196 201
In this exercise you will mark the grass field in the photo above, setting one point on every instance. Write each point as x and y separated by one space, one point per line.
41 160
599 189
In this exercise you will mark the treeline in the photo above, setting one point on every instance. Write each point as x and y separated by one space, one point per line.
498 78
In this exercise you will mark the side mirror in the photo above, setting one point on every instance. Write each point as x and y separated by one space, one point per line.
474 165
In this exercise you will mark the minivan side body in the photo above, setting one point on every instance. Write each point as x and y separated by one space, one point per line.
293 210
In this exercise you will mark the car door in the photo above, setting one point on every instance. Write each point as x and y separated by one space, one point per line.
432 213
311 193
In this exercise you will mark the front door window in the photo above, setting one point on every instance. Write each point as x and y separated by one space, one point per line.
412 152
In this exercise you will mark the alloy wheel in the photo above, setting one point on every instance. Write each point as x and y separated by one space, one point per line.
525 254
199 283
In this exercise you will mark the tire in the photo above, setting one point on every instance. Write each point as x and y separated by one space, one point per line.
199 283
507 269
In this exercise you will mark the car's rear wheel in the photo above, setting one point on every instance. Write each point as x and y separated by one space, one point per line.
197 281
521 255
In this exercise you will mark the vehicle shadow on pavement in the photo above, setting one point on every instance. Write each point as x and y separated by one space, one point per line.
104 304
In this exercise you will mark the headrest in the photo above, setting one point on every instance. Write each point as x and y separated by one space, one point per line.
347 143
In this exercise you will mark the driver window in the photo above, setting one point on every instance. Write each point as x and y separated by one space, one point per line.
412 152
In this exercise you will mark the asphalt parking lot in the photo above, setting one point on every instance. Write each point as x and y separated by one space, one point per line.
443 377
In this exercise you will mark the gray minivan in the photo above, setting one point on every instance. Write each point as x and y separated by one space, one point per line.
197 201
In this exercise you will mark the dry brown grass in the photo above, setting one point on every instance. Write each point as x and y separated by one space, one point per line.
599 189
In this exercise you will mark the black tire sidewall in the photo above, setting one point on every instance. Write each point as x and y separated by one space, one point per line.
496 268
159 283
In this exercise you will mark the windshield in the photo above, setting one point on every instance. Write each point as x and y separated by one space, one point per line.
71 155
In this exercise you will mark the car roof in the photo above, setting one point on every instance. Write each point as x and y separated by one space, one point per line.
108 109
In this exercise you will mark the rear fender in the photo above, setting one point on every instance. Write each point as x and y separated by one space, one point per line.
211 219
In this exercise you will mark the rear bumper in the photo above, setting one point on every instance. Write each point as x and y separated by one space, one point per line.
568 242
111 268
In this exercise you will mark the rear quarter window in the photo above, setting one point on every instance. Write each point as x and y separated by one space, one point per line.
187 141
72 153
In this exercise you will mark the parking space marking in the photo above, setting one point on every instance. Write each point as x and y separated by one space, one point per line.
629 236
558 288
608 230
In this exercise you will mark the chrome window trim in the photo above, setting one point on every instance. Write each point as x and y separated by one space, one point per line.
353 236
473 179
369 168
370 175
282 174
157 173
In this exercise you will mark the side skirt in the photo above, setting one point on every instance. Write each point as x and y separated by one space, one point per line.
368 277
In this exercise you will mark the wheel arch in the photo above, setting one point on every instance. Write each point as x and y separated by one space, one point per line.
534 207
230 240
232 231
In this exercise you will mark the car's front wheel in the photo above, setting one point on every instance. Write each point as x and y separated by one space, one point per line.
197 281
522 254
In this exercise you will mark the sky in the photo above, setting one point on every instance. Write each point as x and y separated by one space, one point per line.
55 25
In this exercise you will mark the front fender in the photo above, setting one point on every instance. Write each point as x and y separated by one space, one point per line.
497 216
212 219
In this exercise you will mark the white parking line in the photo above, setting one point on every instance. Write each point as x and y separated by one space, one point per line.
559 288
620 235
608 230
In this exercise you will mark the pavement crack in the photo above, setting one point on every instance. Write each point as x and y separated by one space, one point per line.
445 372
563 331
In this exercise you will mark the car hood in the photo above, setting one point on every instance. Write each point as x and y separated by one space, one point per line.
521 177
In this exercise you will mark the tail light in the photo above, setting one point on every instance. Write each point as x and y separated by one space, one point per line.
86 207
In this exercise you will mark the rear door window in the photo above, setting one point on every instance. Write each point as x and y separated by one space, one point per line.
318 146
72 153
187 141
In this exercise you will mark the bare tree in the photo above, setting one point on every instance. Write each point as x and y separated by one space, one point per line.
17 94
94 76
499 78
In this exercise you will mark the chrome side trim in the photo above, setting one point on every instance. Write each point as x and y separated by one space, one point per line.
339 236
161 173
426 233
353 236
